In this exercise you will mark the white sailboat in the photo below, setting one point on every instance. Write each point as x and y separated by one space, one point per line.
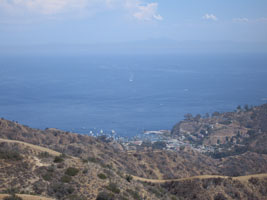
131 79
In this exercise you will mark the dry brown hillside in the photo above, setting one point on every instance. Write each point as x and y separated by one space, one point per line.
62 165
158 164
27 169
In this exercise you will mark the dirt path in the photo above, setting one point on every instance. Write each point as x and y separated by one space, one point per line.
36 147
240 178
27 197
180 179
246 178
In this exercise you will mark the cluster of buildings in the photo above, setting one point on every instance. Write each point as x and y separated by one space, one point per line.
163 140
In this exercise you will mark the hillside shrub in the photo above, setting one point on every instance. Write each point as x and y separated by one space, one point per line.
51 169
10 155
48 176
65 179
38 187
58 159
71 171
226 122
113 188
129 178
60 190
102 176
254 181
159 145
220 196
11 191
134 194
123 198
44 155
155 191
108 172
76 197
105 196
60 165
217 181
92 159
173 198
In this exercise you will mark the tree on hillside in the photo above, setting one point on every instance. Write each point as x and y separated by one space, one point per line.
215 114
188 116
246 107
197 117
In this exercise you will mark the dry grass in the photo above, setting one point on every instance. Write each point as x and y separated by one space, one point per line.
35 147
27 197
54 153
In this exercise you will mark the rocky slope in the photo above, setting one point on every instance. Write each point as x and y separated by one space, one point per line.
230 133
84 167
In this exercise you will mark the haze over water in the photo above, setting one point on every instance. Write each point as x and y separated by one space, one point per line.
127 94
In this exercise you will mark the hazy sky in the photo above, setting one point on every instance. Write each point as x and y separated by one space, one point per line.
108 21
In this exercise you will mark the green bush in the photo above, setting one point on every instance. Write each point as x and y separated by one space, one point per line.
129 178
71 171
102 176
226 122
44 155
173 198
58 159
105 196
254 181
48 176
113 188
92 159
10 155
155 191
65 179
75 197
51 169
159 145
123 198
60 190
11 191
220 196
60 165
134 194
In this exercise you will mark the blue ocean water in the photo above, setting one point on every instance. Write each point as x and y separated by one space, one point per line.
127 94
